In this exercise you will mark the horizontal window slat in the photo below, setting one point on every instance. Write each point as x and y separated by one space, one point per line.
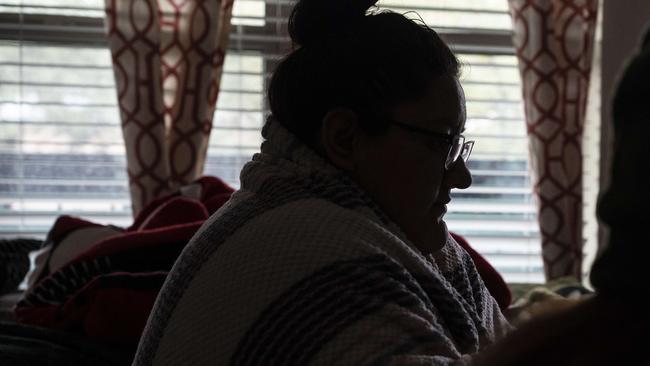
533 275
60 104
122 213
243 10
65 195
27 86
492 207
67 181
507 190
499 173
505 244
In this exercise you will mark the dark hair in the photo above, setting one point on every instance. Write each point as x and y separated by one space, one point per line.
346 58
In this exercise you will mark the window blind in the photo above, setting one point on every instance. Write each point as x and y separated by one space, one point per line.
61 148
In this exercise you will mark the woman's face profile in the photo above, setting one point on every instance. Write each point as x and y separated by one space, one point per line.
405 172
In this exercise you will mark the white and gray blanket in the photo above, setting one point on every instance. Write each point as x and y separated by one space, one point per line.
300 267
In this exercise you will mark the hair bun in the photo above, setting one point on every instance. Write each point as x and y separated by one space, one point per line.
313 20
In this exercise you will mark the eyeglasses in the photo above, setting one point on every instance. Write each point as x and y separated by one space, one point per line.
459 148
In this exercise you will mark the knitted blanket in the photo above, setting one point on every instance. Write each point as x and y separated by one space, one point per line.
300 267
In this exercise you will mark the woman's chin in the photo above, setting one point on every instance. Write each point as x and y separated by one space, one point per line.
438 234
441 230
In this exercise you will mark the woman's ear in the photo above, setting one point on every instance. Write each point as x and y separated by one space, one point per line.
339 136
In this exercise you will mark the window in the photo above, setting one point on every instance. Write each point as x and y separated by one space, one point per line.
61 148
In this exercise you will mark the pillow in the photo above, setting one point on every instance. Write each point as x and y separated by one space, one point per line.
68 237
14 261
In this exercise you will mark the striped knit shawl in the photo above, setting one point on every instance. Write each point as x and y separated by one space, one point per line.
301 267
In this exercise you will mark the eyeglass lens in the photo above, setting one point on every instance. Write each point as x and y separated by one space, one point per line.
466 150
454 152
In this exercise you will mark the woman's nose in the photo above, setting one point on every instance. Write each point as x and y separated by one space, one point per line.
458 175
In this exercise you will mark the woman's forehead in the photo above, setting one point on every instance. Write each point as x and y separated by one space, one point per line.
441 108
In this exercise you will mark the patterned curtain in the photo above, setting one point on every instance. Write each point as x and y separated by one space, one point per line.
554 42
167 58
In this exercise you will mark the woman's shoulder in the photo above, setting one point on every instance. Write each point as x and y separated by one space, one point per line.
314 227
287 257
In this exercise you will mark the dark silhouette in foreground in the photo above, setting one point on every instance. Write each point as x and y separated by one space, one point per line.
613 326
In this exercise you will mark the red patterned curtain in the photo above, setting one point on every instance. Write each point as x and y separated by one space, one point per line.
167 58
554 42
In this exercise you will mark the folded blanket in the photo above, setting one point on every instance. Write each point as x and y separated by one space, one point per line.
14 261
101 281
301 267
